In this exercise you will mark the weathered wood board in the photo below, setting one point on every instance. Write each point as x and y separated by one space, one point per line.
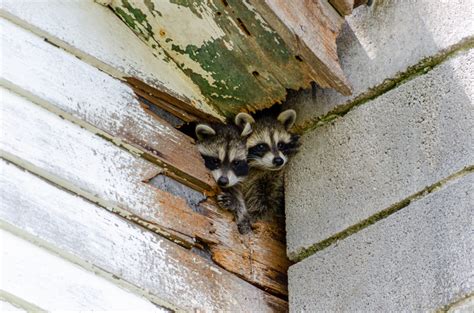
54 284
168 272
94 34
98 102
100 171
344 7
310 29
242 55
88 165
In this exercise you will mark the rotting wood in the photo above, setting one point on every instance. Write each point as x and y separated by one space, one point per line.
242 55
53 284
100 171
111 110
310 28
107 44
173 276
257 257
344 7
103 173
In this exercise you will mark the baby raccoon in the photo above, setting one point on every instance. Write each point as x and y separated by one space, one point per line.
223 148
270 145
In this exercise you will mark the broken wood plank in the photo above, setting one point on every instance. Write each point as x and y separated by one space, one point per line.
104 42
98 102
103 173
171 274
232 51
239 53
88 165
53 284
344 7
260 257
310 29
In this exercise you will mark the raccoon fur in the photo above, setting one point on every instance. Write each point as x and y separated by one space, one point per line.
224 150
270 145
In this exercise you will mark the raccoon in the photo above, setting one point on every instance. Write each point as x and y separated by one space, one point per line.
270 145
223 148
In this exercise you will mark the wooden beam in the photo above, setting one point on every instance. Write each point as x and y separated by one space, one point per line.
310 29
104 42
172 276
98 102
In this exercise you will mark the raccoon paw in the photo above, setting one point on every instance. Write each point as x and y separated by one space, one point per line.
244 227
224 200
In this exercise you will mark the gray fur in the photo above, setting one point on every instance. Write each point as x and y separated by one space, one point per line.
263 189
227 143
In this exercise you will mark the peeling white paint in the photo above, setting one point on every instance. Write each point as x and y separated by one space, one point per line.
190 30
104 41
75 228
54 284
74 86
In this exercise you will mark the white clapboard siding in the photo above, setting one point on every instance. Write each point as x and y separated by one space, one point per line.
8 307
93 99
91 166
52 283
93 33
80 228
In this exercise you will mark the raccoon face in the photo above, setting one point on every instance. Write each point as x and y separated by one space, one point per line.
271 144
224 151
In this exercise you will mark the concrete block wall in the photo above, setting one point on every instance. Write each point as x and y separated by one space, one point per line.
379 201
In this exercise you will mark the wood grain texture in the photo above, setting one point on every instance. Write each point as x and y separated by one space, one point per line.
93 99
310 28
344 7
103 173
99 170
180 278
54 284
104 42
233 52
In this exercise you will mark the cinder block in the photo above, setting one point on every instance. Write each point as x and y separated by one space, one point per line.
383 40
380 153
419 259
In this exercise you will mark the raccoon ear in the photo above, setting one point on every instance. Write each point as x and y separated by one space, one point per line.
204 131
287 118
244 121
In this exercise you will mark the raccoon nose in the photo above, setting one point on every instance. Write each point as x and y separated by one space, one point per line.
223 181
278 161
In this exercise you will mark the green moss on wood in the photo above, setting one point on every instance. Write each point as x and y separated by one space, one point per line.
248 68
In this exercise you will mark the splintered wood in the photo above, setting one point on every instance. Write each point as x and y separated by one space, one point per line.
243 55
90 174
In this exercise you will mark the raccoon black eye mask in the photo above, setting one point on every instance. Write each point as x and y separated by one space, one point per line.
224 150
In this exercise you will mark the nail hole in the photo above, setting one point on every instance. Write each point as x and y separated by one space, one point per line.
224 2
255 73
243 27
219 13
299 58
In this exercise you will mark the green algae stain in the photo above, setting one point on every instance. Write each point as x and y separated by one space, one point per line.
248 74
248 68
